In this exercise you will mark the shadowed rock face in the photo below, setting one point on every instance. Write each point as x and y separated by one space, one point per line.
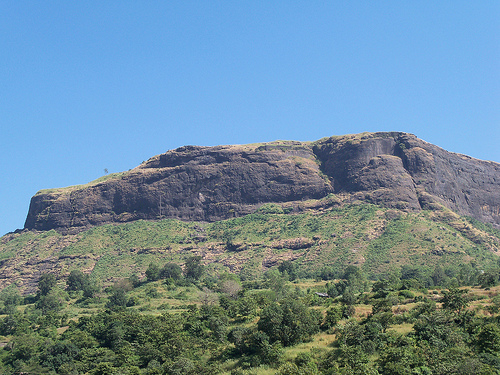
400 170
213 183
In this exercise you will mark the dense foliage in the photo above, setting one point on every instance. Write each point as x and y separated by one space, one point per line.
268 326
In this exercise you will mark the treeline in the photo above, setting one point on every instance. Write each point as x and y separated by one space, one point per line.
468 274
243 328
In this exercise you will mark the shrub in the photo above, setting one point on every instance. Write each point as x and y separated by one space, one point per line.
406 293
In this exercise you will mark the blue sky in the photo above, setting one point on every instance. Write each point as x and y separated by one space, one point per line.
89 85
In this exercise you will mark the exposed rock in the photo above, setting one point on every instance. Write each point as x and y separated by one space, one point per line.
424 174
212 183
294 243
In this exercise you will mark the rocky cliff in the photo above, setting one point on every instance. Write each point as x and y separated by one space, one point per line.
213 183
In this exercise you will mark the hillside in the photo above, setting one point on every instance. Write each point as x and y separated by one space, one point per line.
324 236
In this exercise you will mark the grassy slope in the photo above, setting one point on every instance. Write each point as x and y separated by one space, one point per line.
377 239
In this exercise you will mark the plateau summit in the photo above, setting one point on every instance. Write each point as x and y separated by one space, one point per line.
194 183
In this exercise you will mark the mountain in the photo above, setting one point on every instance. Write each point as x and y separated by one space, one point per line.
380 201
191 183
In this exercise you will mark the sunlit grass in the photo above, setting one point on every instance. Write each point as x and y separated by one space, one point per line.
401 328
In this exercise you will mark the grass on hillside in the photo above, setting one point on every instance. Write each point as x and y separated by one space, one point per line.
378 240
68 189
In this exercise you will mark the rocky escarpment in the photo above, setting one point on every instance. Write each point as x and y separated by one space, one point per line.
213 183
398 169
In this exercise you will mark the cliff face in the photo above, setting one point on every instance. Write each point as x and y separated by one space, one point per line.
400 170
213 183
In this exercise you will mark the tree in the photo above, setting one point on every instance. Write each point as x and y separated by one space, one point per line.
230 287
455 300
381 288
193 268
208 297
352 357
403 359
348 297
351 333
76 280
438 276
153 272
276 281
11 298
14 324
291 322
290 268
61 353
134 280
468 274
333 315
52 301
117 299
90 289
46 282
489 278
124 284
246 306
439 330
183 366
336 289
409 272
172 271
328 273
488 339
494 308
356 279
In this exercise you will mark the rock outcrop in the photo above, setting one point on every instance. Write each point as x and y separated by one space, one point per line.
213 183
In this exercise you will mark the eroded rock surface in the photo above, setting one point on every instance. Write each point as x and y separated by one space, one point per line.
213 183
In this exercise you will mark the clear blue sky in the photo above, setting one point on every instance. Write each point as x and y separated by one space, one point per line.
89 85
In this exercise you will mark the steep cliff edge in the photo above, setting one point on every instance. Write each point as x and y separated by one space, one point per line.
214 183
398 169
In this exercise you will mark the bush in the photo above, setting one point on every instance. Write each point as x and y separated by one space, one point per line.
193 268
153 272
172 271
333 315
407 293
270 208
46 282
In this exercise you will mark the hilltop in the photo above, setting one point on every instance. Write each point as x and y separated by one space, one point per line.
193 183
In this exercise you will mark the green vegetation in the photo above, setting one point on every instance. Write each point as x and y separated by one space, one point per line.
353 289
210 325
316 244
69 189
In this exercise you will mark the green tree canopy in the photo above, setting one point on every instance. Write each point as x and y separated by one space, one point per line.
290 322
153 272
46 282
193 268
171 270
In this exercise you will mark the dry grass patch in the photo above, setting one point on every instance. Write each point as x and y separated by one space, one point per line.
402 329
305 284
320 341
362 311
